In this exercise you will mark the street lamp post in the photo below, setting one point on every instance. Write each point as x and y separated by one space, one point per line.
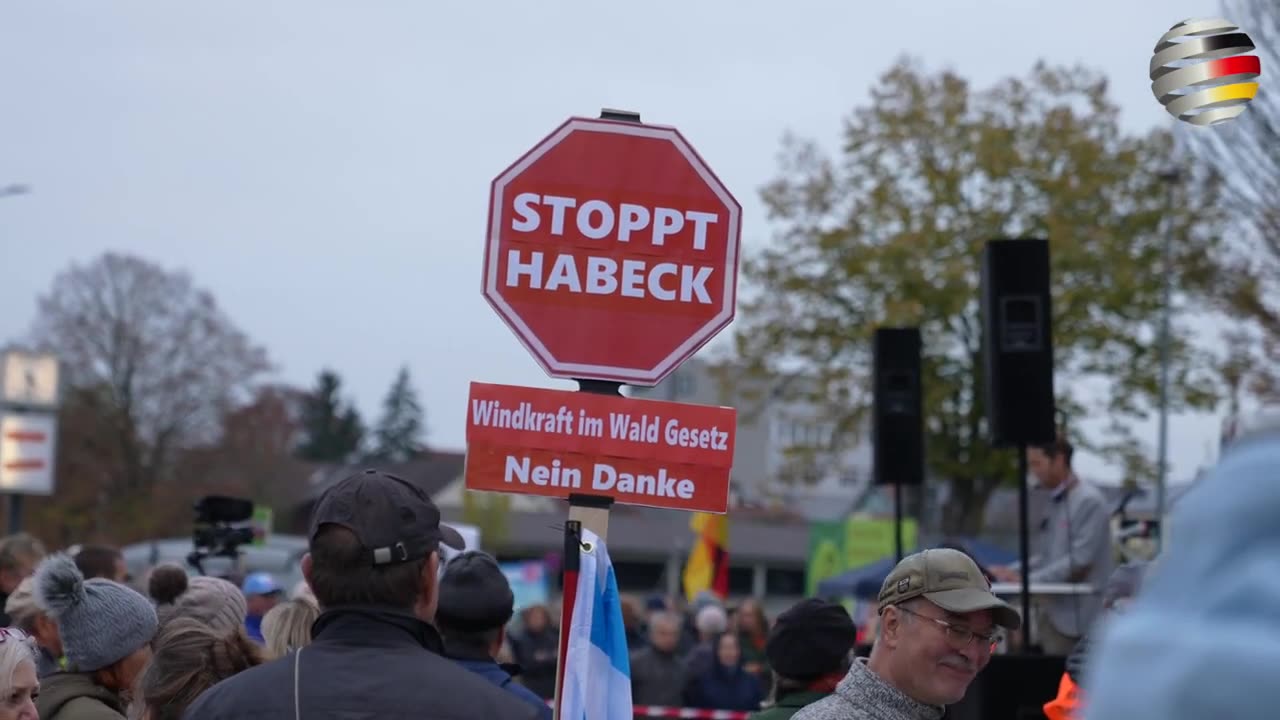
30 392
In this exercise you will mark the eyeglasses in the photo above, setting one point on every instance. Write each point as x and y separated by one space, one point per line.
959 637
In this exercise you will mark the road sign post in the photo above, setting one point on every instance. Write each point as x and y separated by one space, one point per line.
612 253
30 392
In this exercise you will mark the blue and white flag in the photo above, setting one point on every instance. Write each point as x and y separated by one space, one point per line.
597 668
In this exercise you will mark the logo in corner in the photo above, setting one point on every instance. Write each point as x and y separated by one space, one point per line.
1202 73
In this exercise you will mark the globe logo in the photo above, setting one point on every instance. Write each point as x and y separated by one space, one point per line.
1201 73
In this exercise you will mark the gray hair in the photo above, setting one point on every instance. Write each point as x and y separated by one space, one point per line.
21 606
13 652
908 606
20 549
711 620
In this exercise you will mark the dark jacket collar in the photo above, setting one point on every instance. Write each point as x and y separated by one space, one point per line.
800 698
478 656
375 625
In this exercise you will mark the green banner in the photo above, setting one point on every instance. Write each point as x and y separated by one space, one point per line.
261 524
835 547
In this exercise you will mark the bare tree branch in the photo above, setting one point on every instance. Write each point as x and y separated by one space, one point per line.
168 362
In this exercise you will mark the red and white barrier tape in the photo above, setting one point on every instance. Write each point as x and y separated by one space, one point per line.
657 711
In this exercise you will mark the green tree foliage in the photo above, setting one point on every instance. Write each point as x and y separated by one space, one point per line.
1245 153
489 512
332 430
400 428
890 232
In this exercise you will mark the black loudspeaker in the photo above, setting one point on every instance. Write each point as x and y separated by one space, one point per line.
1017 342
897 408
1012 687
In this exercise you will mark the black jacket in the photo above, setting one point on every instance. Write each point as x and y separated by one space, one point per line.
363 663
536 654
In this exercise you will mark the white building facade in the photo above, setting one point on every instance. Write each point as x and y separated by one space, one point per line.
788 453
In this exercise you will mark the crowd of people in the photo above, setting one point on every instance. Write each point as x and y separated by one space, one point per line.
95 642
708 655
380 628
377 629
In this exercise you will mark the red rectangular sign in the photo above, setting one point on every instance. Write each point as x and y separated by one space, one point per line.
639 452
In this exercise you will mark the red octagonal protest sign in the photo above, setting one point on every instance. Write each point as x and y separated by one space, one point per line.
612 251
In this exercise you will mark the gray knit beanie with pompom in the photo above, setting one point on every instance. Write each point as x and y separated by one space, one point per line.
213 601
101 622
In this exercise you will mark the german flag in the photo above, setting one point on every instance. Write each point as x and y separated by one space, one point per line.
708 564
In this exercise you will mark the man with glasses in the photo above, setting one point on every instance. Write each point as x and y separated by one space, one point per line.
939 624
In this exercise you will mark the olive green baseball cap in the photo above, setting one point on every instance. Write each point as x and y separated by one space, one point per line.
949 579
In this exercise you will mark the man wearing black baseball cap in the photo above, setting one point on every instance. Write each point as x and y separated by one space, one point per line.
476 603
373 566
809 649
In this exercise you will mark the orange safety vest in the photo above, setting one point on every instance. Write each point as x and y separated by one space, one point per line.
1068 704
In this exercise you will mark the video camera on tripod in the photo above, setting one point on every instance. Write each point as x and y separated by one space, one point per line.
218 530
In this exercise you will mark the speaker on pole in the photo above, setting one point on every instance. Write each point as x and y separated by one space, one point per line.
1017 345
898 417
1017 328
897 406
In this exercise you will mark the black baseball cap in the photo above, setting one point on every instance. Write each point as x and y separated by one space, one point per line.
811 639
392 518
475 595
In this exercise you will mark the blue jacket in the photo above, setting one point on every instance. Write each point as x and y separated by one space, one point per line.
722 688
1198 641
498 675
253 628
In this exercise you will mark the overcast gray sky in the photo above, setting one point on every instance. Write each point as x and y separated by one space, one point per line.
338 154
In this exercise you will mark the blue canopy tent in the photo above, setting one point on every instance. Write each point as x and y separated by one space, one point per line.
864 582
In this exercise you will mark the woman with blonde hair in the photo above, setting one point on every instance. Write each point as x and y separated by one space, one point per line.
188 658
287 626
31 619
19 685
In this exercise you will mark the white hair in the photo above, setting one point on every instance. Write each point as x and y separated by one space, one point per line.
711 620
14 650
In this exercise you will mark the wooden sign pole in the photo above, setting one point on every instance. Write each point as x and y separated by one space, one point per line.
590 512
683 464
